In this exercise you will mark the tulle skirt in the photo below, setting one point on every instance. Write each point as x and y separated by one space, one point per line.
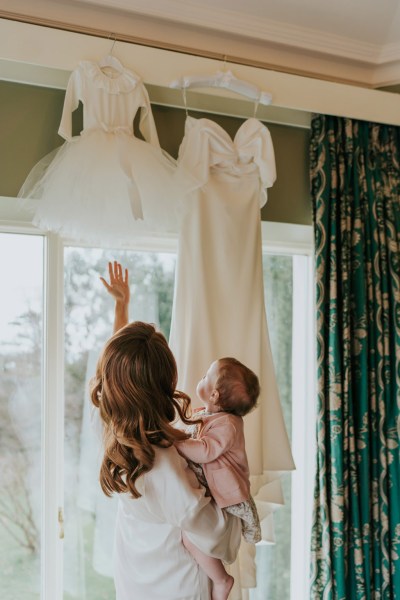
103 188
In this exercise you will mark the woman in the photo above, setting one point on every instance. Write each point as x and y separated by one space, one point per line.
159 496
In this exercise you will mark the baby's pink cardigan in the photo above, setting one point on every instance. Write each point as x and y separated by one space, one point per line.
220 449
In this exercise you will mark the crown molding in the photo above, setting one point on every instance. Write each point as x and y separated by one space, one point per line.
44 46
387 74
257 28
389 53
181 26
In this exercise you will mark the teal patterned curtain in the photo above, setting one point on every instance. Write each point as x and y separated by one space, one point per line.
355 180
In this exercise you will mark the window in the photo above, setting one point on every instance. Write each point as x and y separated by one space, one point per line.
282 568
273 561
21 335
67 290
89 315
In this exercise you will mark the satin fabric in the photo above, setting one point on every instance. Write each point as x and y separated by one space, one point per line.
150 560
218 307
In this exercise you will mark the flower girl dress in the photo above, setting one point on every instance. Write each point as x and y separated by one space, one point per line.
104 185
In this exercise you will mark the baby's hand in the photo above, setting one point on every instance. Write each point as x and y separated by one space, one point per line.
119 285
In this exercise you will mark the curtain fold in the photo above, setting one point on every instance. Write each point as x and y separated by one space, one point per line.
355 185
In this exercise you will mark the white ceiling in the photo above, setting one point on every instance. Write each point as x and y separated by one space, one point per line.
365 21
350 40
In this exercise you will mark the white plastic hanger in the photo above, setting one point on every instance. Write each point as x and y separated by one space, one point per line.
223 79
111 62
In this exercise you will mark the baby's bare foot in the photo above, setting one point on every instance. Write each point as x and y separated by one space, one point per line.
220 590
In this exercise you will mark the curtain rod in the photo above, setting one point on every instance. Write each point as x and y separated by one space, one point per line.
130 39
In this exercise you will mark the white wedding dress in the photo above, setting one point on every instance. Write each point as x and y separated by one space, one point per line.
218 307
104 185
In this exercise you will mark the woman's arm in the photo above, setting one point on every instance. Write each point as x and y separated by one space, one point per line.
119 290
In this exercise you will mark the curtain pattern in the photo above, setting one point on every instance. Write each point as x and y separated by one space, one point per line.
355 182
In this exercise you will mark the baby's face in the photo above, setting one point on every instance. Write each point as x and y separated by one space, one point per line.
206 387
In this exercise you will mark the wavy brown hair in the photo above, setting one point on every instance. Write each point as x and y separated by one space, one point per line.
134 389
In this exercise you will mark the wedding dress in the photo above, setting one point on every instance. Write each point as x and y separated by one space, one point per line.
218 307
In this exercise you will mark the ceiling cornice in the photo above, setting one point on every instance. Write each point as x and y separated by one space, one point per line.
181 26
24 45
389 53
257 28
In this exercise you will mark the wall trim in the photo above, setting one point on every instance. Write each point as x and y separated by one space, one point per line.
290 48
57 49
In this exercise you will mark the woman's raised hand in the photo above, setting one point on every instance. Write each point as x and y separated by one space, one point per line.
119 285
119 290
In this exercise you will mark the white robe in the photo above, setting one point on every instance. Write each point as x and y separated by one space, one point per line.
150 561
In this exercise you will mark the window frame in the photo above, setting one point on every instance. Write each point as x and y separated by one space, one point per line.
297 241
277 238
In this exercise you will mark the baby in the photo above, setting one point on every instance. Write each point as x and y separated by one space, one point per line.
228 391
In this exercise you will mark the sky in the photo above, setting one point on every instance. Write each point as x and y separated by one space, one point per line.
21 273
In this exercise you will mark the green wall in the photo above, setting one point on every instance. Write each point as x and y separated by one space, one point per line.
29 119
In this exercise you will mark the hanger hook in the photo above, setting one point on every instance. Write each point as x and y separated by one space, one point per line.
256 104
185 100
114 41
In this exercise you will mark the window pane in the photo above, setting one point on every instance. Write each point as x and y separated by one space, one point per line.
89 523
21 319
273 561
88 323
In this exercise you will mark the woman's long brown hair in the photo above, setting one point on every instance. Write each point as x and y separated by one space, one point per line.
134 389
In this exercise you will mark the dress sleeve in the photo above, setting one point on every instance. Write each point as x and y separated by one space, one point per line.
206 448
264 157
255 140
194 158
174 495
147 125
71 102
